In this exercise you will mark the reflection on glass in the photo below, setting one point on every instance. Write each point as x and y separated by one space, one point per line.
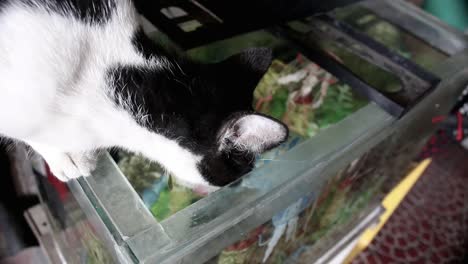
382 80
294 90
391 36
159 193
222 49
375 76
73 230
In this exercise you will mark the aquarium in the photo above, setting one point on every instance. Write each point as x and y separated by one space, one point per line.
295 90
392 36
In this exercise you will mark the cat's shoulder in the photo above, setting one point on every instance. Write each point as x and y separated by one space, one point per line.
95 11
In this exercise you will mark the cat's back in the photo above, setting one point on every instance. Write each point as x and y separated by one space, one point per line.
61 43
63 30
53 48
86 10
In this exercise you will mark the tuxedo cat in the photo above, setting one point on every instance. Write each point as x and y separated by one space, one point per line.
77 76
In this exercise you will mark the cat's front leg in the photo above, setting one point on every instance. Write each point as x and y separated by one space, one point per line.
67 166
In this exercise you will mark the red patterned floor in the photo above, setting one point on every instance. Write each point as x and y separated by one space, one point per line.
431 224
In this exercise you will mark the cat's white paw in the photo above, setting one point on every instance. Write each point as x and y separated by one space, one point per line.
63 167
72 165
67 166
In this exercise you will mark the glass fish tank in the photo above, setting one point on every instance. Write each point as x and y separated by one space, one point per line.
295 90
308 195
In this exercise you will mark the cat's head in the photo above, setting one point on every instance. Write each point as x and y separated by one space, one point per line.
228 129
208 110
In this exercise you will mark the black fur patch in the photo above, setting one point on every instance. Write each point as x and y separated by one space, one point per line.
145 46
227 166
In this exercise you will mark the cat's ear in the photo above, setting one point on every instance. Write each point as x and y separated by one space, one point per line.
246 68
253 133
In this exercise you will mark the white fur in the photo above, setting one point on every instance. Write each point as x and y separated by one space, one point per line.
54 94
255 133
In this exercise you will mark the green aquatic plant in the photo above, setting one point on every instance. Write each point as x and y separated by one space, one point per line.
140 172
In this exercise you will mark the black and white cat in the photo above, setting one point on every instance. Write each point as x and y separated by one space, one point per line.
77 76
